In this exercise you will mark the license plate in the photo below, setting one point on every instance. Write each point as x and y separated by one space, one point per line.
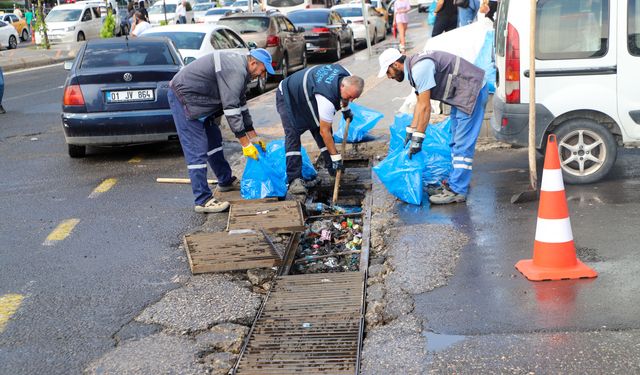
130 96
310 45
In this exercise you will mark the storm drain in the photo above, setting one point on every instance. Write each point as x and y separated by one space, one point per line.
309 324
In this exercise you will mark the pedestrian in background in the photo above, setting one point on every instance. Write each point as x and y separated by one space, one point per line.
446 17
467 12
308 100
181 12
29 18
18 12
139 24
143 11
493 7
2 111
203 91
453 80
401 20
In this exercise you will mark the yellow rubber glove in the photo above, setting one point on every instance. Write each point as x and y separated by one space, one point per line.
250 151
259 142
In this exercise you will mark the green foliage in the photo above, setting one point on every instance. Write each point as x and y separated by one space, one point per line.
108 26
41 26
163 23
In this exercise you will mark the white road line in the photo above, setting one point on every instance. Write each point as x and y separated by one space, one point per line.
34 93
31 69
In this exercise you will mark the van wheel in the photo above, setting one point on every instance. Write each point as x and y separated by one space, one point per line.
587 151
81 37
25 35
76 151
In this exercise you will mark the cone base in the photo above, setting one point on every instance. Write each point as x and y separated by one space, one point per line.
537 273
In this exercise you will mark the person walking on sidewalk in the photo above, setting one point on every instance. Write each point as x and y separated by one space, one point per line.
308 100
199 95
446 17
451 79
181 12
2 111
139 25
401 21
28 16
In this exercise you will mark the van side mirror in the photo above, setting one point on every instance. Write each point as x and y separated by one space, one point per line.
348 21
188 60
252 45
68 65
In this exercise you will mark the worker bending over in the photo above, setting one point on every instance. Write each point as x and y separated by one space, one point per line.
199 95
308 100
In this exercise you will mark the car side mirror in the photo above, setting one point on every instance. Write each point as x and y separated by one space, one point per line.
252 45
300 29
348 21
188 60
68 65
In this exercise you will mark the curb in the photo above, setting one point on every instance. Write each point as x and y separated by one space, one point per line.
23 63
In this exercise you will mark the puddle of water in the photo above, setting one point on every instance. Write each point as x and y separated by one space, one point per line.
411 215
437 342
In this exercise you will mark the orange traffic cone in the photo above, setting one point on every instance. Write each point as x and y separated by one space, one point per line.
554 253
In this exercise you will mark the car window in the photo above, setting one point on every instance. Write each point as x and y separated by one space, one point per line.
159 9
350 12
337 20
87 15
633 27
290 26
111 55
305 16
96 12
572 29
14 18
501 27
219 41
182 40
64 15
2 24
284 3
244 25
216 11
373 13
234 39
281 25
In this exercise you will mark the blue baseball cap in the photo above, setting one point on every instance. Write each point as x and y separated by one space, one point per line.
264 57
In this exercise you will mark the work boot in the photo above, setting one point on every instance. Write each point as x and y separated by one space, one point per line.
212 206
447 196
297 186
2 111
234 185
434 189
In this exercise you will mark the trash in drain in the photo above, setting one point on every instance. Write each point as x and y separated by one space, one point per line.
332 241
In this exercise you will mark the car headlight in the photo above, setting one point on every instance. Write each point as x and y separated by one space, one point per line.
70 28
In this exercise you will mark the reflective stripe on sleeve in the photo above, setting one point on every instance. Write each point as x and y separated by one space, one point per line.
293 153
197 166
232 111
217 149
463 166
462 158
323 149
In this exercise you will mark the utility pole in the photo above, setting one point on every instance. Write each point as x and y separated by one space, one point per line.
533 170
365 16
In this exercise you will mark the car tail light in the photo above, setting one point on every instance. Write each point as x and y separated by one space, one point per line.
320 30
512 69
73 95
273 41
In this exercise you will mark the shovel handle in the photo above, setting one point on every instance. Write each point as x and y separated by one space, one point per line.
336 187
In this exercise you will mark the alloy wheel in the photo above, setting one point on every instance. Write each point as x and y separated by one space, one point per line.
582 152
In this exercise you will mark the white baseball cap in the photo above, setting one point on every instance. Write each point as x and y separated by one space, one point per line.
387 57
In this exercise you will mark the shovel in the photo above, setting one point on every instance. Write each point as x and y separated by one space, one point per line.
336 187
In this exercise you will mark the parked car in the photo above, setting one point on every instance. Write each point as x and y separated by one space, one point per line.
166 10
286 6
214 15
325 31
244 5
587 58
376 27
195 41
72 22
116 93
8 36
199 10
19 24
273 31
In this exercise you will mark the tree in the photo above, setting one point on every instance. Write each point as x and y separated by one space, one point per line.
41 25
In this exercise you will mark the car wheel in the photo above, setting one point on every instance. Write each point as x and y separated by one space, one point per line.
285 67
76 151
13 42
304 59
81 37
375 36
384 36
337 54
261 87
25 35
587 151
352 45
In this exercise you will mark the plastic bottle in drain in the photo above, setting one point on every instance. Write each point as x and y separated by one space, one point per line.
317 207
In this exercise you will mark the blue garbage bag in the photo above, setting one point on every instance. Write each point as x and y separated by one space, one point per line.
364 119
398 132
267 176
402 176
486 62
431 17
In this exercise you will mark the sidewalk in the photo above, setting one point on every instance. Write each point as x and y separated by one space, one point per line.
31 57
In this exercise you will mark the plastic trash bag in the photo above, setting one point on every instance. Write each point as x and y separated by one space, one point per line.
431 16
485 61
364 119
398 130
267 176
402 176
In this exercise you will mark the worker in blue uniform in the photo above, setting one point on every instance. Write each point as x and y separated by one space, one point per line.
451 79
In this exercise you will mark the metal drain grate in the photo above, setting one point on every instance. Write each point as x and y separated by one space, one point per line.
310 324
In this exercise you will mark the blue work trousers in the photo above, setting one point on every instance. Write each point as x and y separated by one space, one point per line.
465 130
201 143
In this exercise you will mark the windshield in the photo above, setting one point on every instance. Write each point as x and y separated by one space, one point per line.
284 3
308 17
157 9
182 40
116 54
63 15
240 3
201 7
246 25
213 12
349 12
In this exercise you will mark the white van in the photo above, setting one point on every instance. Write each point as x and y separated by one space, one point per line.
72 22
286 6
157 13
587 85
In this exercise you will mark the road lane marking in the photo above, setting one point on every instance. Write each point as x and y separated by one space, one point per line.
35 93
62 231
135 159
103 187
32 69
9 304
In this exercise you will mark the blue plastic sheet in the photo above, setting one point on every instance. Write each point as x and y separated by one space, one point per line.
364 119
431 16
402 176
398 130
267 176
486 62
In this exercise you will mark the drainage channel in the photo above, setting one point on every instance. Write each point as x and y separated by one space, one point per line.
312 319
